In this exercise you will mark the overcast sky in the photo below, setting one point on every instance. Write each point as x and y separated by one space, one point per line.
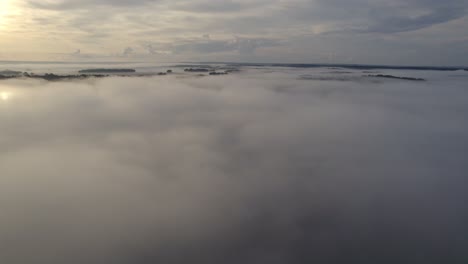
424 32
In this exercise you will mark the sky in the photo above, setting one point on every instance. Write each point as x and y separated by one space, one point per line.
415 32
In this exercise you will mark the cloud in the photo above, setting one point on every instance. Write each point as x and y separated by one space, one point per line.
98 26
210 6
255 167
244 46
128 51
376 16
149 47
80 4
394 23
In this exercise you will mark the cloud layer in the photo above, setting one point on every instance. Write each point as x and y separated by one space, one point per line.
258 167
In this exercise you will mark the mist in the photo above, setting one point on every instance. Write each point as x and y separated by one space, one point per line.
257 167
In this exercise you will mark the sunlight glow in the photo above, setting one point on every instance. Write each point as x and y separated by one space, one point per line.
5 10
5 96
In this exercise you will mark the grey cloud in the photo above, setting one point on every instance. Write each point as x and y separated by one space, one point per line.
262 24
79 4
375 16
257 167
128 51
210 6
241 45
222 6
392 23
149 47
191 6
249 46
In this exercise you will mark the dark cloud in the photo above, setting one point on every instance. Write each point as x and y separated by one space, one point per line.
255 167
388 23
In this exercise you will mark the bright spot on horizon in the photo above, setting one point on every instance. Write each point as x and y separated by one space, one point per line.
4 10
4 96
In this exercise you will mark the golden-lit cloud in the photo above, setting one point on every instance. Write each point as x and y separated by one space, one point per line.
5 10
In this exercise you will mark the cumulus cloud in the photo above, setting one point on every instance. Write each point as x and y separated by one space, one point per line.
257 167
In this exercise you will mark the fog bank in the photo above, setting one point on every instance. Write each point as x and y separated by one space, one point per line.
257 167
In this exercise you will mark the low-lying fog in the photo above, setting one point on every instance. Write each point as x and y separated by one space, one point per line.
256 167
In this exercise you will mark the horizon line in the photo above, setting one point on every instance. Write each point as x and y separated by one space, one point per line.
272 64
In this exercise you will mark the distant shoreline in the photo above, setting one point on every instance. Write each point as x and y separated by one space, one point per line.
253 64
354 66
103 70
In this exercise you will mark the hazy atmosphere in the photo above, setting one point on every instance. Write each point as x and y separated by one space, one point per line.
270 165
416 32
233 132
